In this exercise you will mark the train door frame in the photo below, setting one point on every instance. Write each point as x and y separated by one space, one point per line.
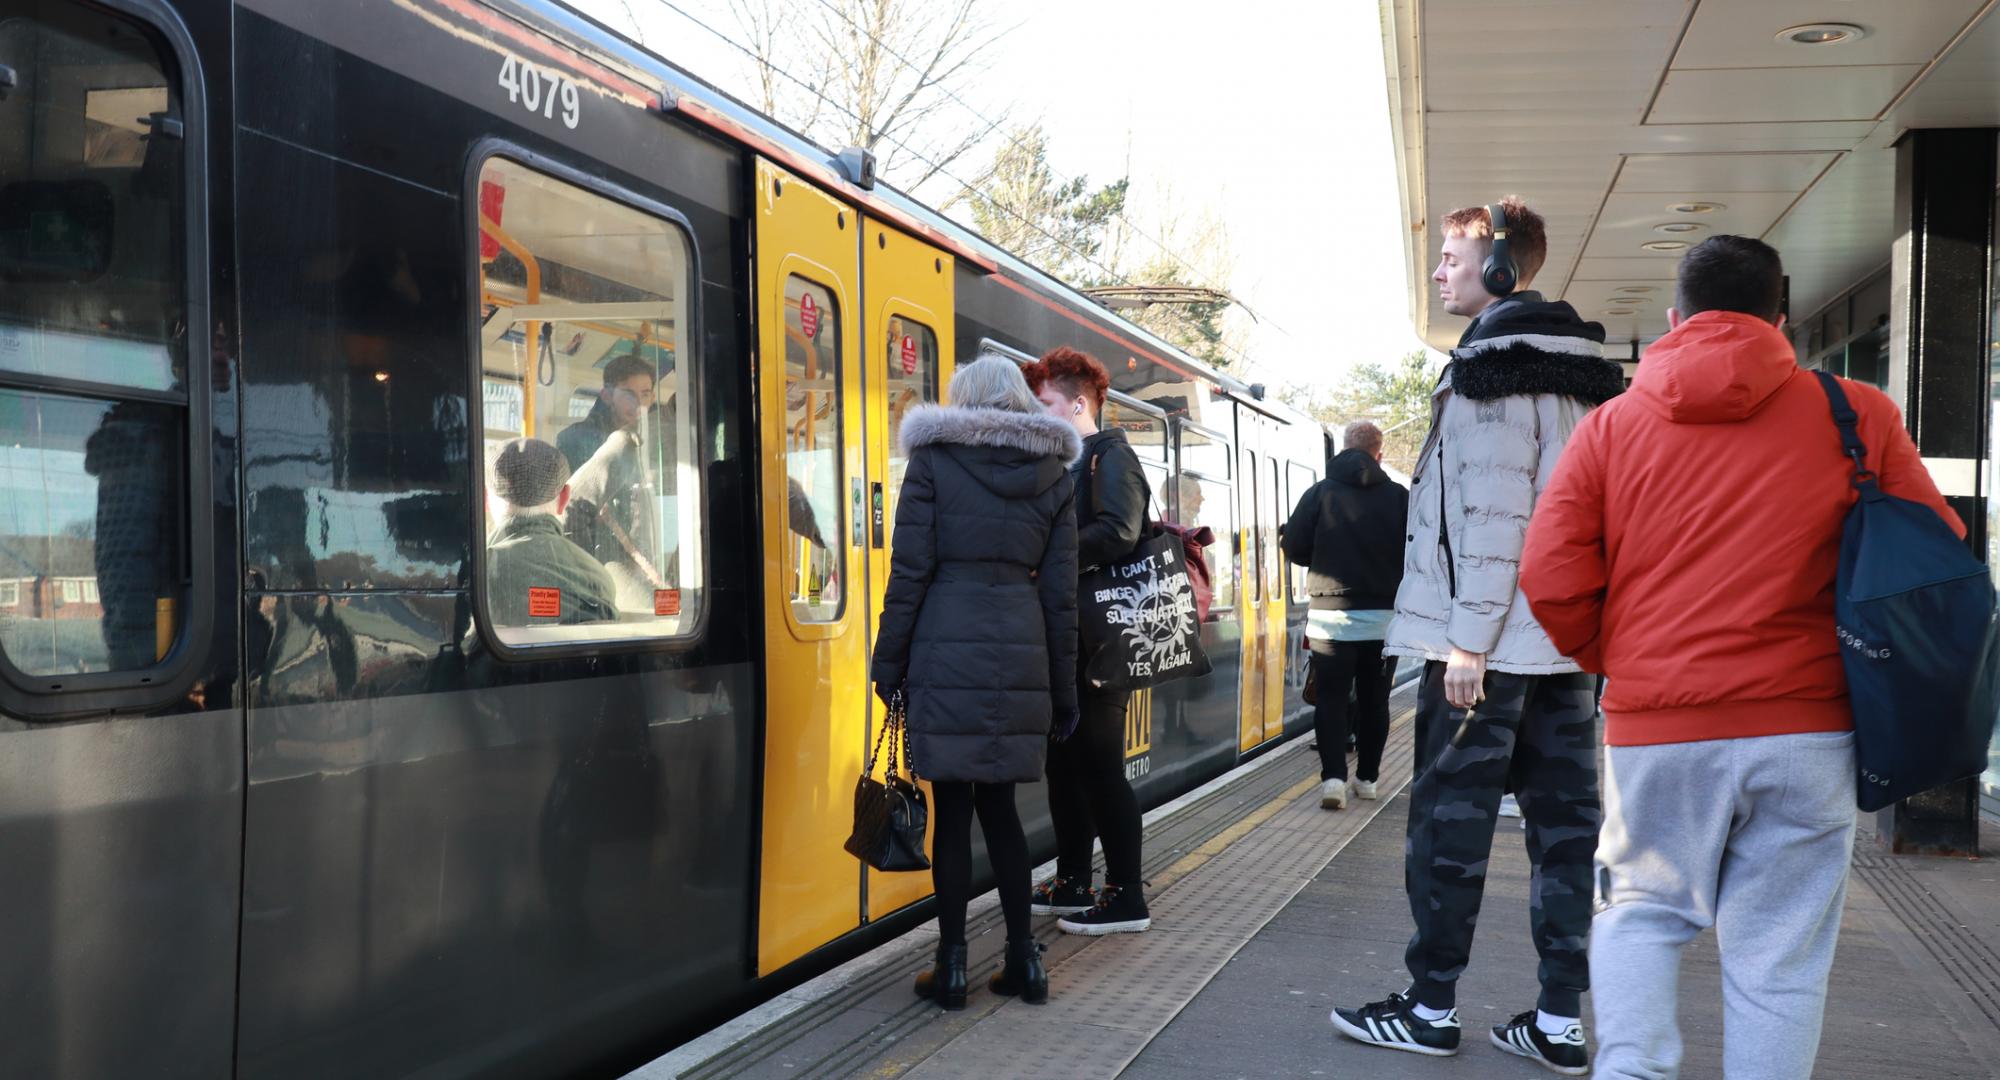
815 672
901 278
1250 598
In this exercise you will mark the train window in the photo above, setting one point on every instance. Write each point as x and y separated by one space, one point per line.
913 380
1206 501
812 449
1145 431
1253 553
583 307
95 425
1205 453
1298 481
1156 489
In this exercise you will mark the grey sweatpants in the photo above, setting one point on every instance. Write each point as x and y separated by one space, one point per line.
1750 836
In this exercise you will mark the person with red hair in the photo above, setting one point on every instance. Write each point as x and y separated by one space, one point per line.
1089 795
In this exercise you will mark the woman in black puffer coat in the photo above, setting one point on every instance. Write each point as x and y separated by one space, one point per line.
979 632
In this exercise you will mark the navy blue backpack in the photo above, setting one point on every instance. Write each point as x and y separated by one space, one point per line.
1915 612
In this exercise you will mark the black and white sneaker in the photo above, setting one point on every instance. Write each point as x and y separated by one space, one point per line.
1564 1053
1058 896
1119 910
1394 1023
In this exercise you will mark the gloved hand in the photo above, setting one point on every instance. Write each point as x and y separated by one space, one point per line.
888 693
1065 721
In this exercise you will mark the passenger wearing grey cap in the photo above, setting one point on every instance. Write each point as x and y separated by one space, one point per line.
536 576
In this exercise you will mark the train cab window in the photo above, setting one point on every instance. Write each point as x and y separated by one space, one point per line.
814 513
95 424
583 313
913 380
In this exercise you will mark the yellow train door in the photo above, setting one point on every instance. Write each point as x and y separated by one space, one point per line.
906 360
1253 598
1276 598
815 554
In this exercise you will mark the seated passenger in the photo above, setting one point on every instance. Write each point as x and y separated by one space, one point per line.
534 575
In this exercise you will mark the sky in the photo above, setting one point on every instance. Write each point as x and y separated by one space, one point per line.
1275 119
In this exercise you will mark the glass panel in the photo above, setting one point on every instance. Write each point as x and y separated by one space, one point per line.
1868 355
1204 453
92 206
812 449
1147 433
1207 502
1253 560
1989 781
91 554
912 356
1156 489
582 302
1299 480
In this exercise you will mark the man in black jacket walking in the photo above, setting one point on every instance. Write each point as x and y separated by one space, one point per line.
1348 532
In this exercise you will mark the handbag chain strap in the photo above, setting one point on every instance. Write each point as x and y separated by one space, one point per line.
892 731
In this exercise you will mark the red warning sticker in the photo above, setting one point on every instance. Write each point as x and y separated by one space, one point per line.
544 603
808 316
909 355
666 601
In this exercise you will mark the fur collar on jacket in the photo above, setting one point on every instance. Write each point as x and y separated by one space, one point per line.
927 425
1527 345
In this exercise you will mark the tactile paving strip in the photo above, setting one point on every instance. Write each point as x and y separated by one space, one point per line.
1968 959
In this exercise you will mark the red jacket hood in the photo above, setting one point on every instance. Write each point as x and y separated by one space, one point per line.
1718 367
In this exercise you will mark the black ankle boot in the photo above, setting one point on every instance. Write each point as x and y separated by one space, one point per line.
1023 974
945 983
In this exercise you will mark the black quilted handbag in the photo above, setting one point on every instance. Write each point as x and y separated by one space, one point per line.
890 814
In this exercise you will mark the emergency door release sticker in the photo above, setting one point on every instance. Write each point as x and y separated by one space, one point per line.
544 603
666 601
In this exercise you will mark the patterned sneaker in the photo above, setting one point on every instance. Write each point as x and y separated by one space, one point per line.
1564 1053
1056 896
1393 1023
1119 910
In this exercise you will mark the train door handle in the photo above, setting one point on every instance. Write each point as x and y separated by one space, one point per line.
875 511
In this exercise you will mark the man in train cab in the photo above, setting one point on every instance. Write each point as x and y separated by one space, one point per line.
535 575
1347 531
607 519
1499 705
1687 549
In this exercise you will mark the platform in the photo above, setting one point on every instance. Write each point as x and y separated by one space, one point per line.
1268 911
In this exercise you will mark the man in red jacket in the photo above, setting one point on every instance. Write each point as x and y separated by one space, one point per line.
1686 548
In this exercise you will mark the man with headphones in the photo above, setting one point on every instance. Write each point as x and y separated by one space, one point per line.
1499 707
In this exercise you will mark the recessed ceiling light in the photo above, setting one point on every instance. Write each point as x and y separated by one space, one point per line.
1637 288
1821 34
1694 207
1679 227
1665 245
1619 311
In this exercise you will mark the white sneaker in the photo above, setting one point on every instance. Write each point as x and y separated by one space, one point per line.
1509 806
1365 789
1333 795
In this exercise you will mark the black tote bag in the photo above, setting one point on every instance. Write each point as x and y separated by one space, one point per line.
890 814
1140 626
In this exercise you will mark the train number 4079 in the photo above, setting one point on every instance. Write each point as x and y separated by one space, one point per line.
537 91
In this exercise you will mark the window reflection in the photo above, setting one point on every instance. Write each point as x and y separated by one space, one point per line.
814 518
91 557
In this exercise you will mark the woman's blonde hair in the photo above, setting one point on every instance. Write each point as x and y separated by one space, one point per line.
993 382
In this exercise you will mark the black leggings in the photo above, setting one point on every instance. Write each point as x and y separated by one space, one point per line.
951 855
1089 795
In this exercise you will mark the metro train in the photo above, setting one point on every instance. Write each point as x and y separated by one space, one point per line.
288 787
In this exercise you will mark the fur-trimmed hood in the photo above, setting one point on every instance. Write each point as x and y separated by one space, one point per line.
1014 455
1034 433
1528 345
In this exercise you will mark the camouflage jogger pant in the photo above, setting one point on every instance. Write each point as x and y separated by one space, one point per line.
1540 732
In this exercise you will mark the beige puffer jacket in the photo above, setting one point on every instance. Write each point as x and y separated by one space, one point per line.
1500 416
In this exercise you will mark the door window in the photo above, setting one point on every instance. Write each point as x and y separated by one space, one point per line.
815 517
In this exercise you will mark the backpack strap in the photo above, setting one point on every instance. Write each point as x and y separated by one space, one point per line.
1845 418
